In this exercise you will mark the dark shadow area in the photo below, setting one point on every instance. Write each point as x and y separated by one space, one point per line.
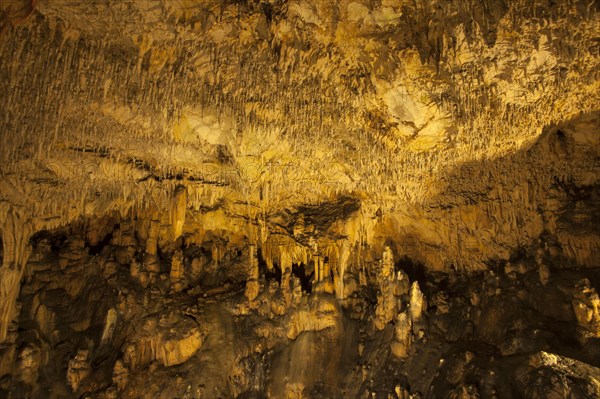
551 187
96 249
553 177
415 270
299 270
77 302
263 270
323 215
55 239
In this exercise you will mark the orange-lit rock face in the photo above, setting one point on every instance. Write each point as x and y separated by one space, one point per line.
299 198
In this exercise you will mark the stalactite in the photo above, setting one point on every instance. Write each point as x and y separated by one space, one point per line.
321 107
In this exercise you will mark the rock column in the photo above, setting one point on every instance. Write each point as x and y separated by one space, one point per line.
417 305
387 302
178 208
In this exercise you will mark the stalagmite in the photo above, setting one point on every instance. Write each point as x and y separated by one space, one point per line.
28 363
402 335
338 278
417 303
227 198
152 240
389 289
387 264
196 267
177 211
126 242
120 375
544 274
252 284
402 283
586 305
318 260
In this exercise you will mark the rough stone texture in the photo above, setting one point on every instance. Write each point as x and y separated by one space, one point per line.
402 335
586 305
299 198
79 369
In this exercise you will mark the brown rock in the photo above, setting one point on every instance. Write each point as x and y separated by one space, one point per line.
79 369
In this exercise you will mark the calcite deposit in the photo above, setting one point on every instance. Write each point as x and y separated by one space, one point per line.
299 199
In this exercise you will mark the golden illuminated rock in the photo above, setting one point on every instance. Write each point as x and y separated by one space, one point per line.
109 326
318 314
28 362
299 198
402 335
586 305
387 299
417 302
163 348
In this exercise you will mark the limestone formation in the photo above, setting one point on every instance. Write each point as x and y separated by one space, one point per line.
176 274
178 209
79 369
109 327
168 349
402 335
299 198
417 303
29 361
319 314
15 251
586 305
286 274
544 274
120 375
390 286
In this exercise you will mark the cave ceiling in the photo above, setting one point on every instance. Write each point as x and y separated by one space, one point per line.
405 119
299 198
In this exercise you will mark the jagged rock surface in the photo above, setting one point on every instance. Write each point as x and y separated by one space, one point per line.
299 198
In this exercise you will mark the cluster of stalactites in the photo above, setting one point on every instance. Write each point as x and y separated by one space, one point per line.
398 301
328 263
